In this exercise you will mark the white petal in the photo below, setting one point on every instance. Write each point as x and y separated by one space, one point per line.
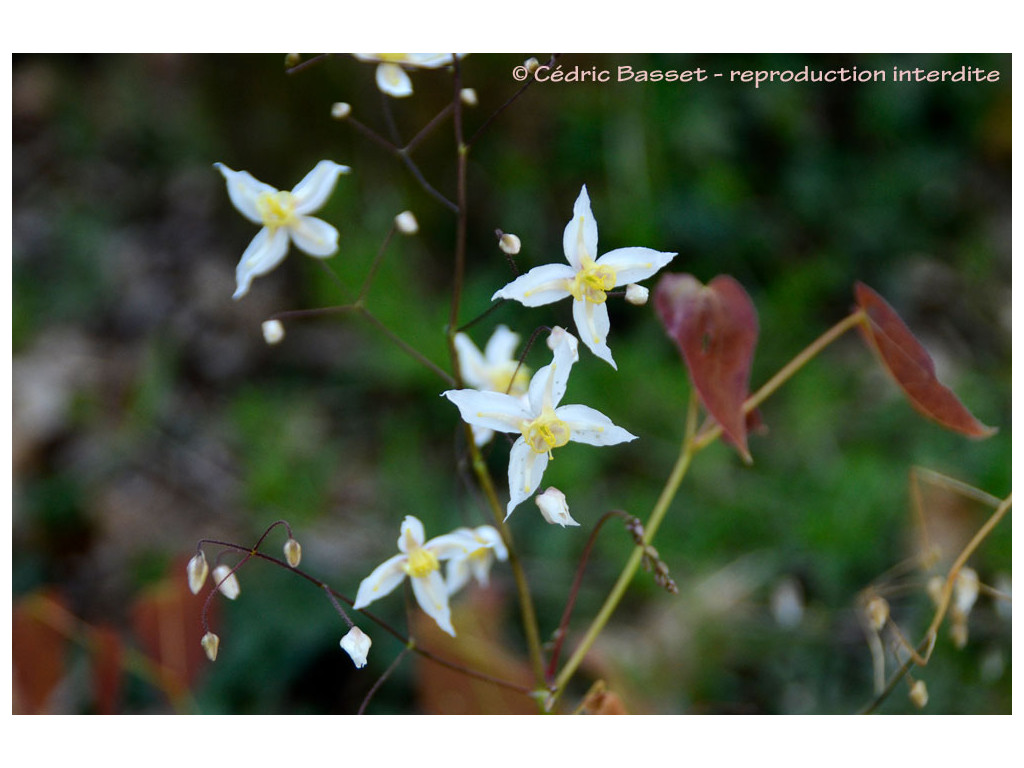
632 265
489 535
471 362
451 545
265 252
501 347
541 285
432 595
430 60
412 534
525 470
384 578
314 236
481 435
312 192
591 427
356 644
580 237
457 575
393 81
243 190
547 387
494 410
592 324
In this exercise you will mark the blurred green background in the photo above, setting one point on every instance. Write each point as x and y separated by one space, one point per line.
149 413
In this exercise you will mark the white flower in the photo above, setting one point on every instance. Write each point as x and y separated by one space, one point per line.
391 78
421 563
356 644
554 507
496 370
484 545
284 215
226 582
543 424
586 277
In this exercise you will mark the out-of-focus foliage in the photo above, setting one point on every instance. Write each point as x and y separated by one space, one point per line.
148 412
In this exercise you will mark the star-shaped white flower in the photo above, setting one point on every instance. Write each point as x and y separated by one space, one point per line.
284 215
421 562
542 424
484 547
496 370
392 79
587 277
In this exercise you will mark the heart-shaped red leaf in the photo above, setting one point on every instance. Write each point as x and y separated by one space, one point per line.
911 366
715 328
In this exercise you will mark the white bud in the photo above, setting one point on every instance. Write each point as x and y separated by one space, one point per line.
554 507
531 65
357 644
878 612
292 60
340 110
293 552
197 571
510 244
919 694
636 294
558 336
935 586
468 97
965 591
210 643
406 223
273 331
226 582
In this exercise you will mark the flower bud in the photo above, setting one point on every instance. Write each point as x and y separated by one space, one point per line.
293 552
340 110
292 60
877 611
406 223
273 331
226 582
531 64
965 591
509 244
636 294
197 571
210 643
554 507
919 694
558 336
468 97
935 586
357 644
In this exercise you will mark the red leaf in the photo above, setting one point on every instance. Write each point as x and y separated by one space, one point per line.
911 366
715 327
108 651
37 649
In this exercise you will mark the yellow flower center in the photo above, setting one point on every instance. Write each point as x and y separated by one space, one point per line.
421 563
592 283
546 432
276 209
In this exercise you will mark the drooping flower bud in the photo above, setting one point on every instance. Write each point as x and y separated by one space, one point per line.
340 110
406 223
877 611
226 582
558 336
211 644
356 644
197 572
293 552
509 243
292 60
636 294
554 508
273 331
919 694
965 591
468 97
531 64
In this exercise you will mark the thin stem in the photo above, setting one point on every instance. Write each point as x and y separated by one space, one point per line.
508 103
380 680
611 602
374 266
427 129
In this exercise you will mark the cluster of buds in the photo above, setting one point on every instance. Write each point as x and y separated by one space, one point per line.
652 562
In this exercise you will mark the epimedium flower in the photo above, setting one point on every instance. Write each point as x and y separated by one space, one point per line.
587 277
421 562
483 547
391 77
284 216
541 422
494 370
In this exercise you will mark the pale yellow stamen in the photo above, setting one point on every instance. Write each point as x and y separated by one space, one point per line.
592 283
276 209
421 563
546 433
